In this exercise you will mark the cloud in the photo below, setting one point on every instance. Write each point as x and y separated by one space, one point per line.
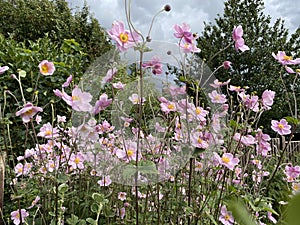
193 12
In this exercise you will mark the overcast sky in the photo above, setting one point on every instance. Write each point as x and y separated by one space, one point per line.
193 12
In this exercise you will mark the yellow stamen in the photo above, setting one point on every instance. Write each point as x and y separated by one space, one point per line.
130 153
225 159
287 57
123 37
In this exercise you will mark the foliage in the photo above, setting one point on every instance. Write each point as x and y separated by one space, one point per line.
33 19
255 68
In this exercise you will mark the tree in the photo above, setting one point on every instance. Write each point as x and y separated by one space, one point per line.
25 20
255 68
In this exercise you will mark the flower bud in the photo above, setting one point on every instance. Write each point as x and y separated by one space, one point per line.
167 8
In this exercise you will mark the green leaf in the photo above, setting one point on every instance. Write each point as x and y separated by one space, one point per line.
91 221
22 73
73 220
99 198
240 212
292 120
63 188
94 207
147 167
293 209
211 218
29 89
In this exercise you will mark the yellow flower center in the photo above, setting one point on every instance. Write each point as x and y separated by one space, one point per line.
44 68
198 111
227 217
171 106
199 140
123 37
225 159
48 132
280 126
296 187
186 45
77 160
130 152
28 112
287 57
74 98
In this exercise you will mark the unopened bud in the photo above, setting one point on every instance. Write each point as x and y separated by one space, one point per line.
167 8
148 39
169 52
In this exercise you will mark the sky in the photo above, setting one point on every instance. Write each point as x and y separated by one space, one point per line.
193 12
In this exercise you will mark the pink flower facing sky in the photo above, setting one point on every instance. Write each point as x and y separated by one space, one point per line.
123 38
283 59
46 67
226 217
28 112
154 64
227 160
237 34
16 216
281 127
183 32
217 98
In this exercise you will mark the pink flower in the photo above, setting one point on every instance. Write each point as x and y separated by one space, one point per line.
68 81
28 112
226 217
292 172
123 38
109 75
245 140
184 31
189 47
122 212
46 68
227 160
105 181
129 152
281 127
135 99
102 103
34 202
122 196
198 140
283 59
267 99
237 34
3 69
38 119
217 98
218 83
76 161
16 216
118 85
168 107
227 65
271 218
80 101
47 131
289 69
155 64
